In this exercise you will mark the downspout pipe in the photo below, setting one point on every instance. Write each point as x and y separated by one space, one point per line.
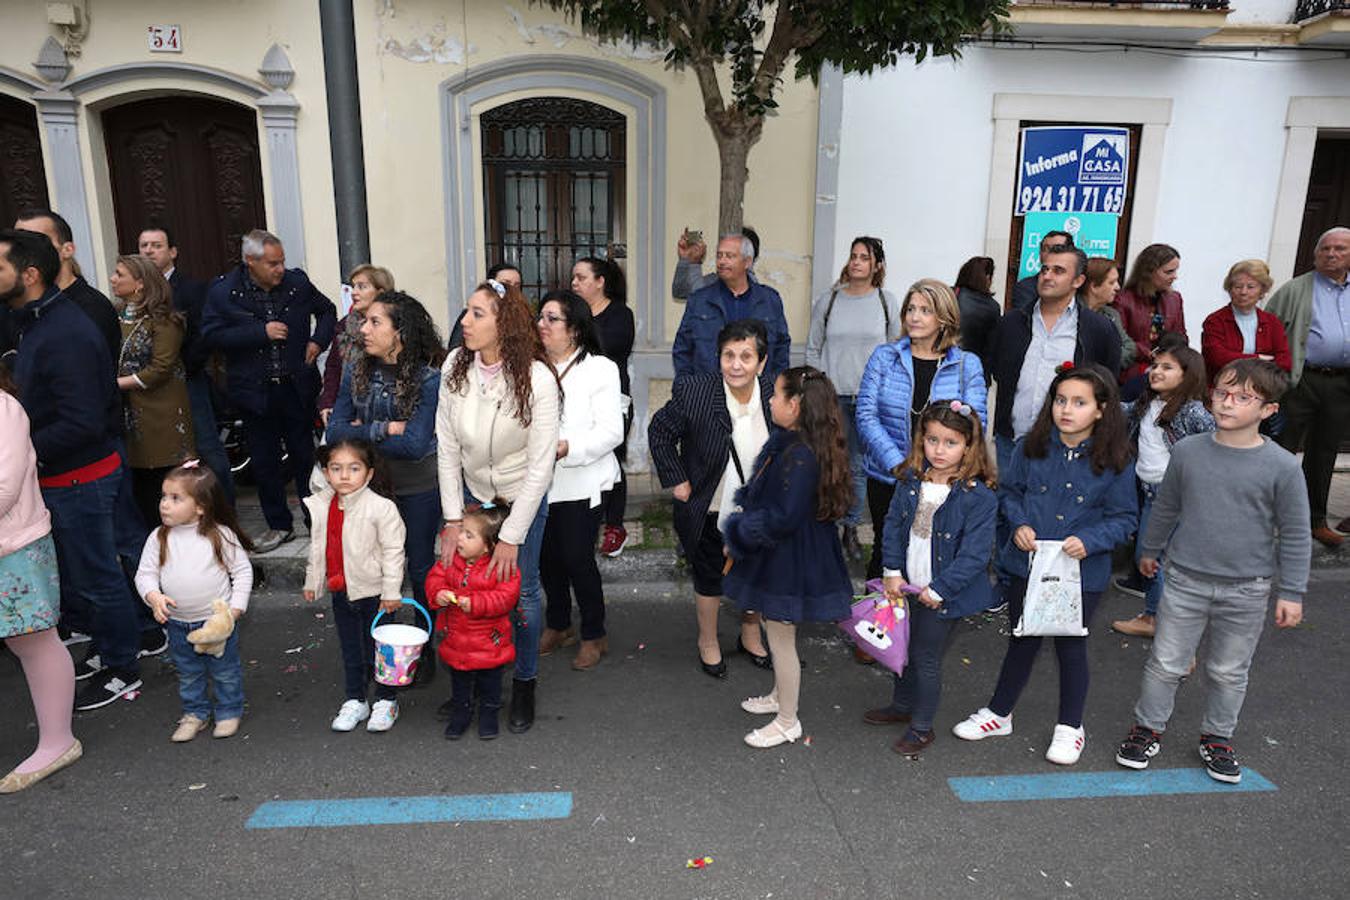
337 24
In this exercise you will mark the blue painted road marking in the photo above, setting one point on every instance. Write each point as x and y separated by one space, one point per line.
411 810
1078 785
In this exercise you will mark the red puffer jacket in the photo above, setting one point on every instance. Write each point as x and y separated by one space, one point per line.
481 637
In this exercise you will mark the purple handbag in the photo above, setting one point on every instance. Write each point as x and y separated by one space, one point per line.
879 628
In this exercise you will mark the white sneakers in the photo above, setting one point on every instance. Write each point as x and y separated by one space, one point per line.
1066 746
762 706
982 724
352 713
382 715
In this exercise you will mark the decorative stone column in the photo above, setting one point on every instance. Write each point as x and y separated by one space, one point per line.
59 112
279 110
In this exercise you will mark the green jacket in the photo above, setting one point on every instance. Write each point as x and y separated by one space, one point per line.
1292 305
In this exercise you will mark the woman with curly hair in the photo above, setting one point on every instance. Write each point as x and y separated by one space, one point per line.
153 381
388 396
497 436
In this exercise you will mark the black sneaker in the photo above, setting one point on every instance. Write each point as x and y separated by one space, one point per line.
153 642
1139 746
1220 761
90 666
105 690
1131 584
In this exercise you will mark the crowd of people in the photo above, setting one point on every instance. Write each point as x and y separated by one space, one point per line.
484 471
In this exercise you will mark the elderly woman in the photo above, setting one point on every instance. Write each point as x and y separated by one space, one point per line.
497 438
904 377
151 376
367 282
848 322
1099 289
1240 330
30 599
703 443
592 426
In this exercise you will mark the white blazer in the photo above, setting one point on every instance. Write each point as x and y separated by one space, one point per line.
592 425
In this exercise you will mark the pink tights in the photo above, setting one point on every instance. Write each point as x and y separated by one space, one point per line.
51 682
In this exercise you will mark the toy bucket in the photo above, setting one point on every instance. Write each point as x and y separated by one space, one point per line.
398 647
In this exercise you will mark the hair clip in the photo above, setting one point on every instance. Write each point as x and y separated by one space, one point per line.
960 408
497 286
189 464
488 505
1066 366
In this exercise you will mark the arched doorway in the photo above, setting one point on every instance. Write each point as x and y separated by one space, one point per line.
23 180
553 186
190 163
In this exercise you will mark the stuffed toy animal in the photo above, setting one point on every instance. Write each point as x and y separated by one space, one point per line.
215 631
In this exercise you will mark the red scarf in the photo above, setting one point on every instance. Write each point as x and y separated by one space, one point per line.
337 578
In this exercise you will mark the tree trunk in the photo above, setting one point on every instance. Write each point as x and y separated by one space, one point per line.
735 133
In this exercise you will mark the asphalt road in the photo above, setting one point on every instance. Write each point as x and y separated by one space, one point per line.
651 753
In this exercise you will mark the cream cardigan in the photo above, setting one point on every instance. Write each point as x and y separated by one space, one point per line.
372 544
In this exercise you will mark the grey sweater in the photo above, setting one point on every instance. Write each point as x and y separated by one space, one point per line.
857 326
1237 514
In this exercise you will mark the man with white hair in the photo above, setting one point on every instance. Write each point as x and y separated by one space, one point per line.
271 323
735 295
1315 310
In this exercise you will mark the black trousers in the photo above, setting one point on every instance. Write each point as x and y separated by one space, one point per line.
567 567
879 495
1317 413
614 501
487 682
288 418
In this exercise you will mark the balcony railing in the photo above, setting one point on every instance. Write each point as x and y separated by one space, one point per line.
1308 9
1154 4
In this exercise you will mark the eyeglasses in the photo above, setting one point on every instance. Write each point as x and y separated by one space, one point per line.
550 318
1241 398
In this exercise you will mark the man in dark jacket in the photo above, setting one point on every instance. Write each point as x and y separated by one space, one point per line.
156 243
734 296
62 372
1024 291
260 316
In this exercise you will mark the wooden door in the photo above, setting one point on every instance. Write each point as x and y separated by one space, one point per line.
1328 203
192 164
23 180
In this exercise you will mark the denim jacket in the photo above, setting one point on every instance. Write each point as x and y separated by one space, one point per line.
377 409
963 543
1191 419
1061 497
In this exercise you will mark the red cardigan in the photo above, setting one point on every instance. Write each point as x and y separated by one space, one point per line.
480 638
1136 314
1221 341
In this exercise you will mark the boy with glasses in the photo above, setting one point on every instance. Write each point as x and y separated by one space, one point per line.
1222 498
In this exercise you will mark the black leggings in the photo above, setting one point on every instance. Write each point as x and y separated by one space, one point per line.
1021 657
614 501
567 566
879 495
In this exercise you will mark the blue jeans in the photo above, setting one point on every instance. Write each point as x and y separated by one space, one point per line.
421 514
86 553
848 412
196 671
1234 613
1153 587
529 619
918 690
207 433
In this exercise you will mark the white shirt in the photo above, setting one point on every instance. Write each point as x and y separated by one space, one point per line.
1048 348
1153 450
748 434
592 425
919 556
191 575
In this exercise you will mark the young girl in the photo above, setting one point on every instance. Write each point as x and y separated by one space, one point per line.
475 621
786 561
356 552
939 537
196 556
1171 408
1071 480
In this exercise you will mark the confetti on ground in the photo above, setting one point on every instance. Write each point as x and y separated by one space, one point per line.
295 649
807 740
965 660
318 615
642 646
131 695
701 862
197 787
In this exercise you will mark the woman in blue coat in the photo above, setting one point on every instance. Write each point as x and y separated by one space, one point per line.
900 380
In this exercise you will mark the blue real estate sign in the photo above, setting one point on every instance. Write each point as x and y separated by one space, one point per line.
1080 169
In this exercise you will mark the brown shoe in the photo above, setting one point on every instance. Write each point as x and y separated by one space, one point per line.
1343 525
862 658
552 639
913 743
1326 537
1141 625
589 654
885 716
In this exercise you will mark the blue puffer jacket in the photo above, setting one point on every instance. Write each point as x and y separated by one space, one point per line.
962 543
884 401
1060 497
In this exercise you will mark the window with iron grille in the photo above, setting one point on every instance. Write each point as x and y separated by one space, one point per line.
553 185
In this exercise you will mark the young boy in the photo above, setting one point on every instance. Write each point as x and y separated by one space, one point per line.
1225 494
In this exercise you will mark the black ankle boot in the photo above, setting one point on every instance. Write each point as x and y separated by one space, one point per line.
487 720
522 706
460 714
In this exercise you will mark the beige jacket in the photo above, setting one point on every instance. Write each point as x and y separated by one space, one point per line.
372 544
481 443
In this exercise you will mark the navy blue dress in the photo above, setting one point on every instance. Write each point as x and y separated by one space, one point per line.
788 564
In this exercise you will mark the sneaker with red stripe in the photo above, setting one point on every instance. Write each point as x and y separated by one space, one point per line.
1066 745
982 724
